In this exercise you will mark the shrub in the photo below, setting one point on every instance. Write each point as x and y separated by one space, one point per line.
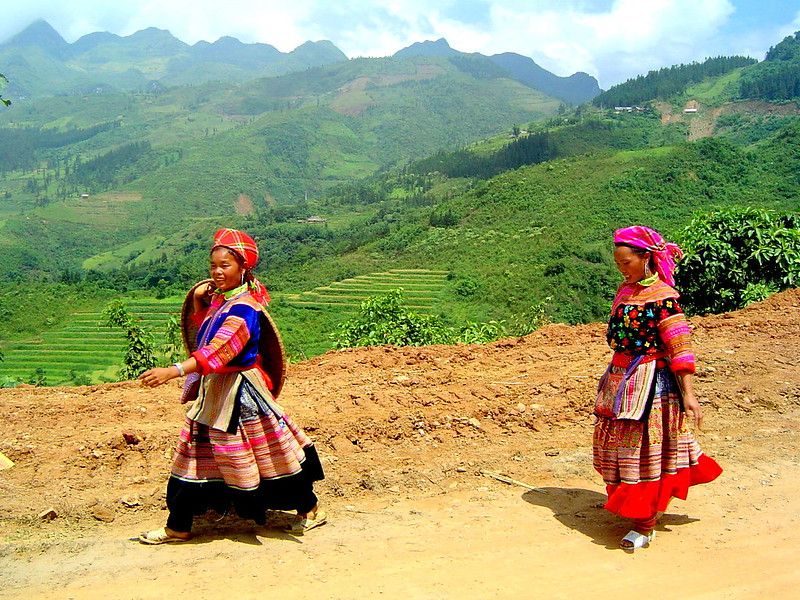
738 255
140 354
384 320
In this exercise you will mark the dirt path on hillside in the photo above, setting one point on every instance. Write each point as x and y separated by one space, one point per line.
404 435
703 123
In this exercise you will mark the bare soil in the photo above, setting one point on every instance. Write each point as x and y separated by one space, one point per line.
405 434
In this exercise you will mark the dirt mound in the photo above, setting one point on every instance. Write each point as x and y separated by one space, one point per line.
395 421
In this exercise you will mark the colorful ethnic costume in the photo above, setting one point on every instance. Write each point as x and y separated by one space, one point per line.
643 448
238 446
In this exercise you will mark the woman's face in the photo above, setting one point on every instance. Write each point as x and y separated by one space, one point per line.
225 270
630 264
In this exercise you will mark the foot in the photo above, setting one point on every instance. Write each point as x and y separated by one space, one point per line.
165 535
637 539
314 518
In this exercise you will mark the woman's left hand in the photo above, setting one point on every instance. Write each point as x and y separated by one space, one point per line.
155 377
693 410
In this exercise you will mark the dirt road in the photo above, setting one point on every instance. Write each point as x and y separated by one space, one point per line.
404 435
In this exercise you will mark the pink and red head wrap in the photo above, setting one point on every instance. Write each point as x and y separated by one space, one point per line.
245 248
241 243
664 253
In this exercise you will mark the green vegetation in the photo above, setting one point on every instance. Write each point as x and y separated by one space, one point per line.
386 320
74 348
668 81
5 101
486 236
422 287
736 256
140 353
778 76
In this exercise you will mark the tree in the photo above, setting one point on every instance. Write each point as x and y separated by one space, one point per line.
5 101
736 256
140 354
384 320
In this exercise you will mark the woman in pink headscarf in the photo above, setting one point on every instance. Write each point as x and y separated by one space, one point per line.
646 408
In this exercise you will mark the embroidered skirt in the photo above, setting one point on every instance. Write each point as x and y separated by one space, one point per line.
264 462
646 462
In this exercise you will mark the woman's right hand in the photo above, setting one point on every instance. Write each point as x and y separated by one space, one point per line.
157 376
202 294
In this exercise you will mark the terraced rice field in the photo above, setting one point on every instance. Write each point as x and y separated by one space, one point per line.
82 348
422 290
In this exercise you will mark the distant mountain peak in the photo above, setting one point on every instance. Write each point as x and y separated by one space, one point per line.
438 47
40 33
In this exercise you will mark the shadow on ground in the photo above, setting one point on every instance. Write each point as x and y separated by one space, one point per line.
582 511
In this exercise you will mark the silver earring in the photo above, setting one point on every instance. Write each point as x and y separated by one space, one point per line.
647 271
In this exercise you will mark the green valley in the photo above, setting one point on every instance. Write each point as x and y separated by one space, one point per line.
485 200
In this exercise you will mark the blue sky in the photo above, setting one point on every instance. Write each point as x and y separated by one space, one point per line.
610 39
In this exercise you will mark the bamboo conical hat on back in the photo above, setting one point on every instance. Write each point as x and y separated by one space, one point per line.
270 344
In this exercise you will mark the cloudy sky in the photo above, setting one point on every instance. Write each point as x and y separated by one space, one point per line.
610 39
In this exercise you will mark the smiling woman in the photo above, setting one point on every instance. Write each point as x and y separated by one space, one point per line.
238 446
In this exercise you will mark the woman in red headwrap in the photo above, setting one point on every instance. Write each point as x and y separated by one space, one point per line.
238 446
646 408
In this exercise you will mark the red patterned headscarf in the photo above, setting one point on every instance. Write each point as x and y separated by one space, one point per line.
245 248
664 253
241 243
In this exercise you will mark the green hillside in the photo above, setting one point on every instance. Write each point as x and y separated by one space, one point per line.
194 156
483 200
83 349
422 288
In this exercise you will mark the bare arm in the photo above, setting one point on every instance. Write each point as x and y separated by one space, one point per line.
155 377
690 403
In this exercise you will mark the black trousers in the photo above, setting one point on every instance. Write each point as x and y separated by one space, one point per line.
185 499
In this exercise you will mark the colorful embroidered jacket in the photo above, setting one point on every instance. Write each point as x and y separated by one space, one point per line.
232 328
647 320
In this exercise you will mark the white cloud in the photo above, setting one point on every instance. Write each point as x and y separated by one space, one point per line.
631 37
612 40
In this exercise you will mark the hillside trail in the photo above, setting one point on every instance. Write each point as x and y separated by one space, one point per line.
405 434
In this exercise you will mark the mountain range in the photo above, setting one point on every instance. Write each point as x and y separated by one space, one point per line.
39 62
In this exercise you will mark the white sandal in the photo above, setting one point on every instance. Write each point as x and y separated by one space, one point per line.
160 536
637 540
304 524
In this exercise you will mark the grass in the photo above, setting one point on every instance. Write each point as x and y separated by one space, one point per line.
423 289
82 349
714 91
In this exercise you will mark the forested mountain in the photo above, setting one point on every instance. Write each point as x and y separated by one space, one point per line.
778 76
668 81
38 61
191 153
575 89
442 162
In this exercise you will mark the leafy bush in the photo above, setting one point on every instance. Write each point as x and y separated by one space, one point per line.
738 255
384 320
38 377
140 354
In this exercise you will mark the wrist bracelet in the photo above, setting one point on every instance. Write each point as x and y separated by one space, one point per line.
179 366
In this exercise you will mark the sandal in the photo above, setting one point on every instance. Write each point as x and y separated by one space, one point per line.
307 523
160 536
636 540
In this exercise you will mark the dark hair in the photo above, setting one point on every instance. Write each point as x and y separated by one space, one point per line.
640 252
238 257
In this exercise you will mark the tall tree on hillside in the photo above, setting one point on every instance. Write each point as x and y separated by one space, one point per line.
4 100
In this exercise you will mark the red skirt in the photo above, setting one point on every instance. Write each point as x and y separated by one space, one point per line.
646 463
